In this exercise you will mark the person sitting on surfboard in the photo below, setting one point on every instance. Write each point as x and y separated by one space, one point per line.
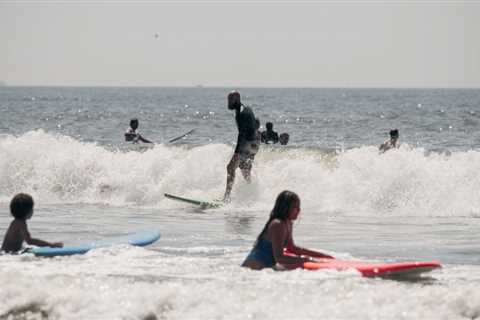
392 143
21 208
276 237
247 145
132 135
269 136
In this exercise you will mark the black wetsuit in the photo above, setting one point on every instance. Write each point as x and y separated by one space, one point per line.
246 129
269 136
247 141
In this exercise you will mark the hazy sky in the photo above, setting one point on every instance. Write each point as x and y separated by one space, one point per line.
233 43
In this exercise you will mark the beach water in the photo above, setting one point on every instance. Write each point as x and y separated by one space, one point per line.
65 147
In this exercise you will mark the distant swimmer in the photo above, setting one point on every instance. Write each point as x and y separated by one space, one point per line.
392 143
284 138
269 136
132 135
247 145
276 236
21 208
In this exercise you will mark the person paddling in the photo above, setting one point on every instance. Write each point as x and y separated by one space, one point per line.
131 135
276 238
21 208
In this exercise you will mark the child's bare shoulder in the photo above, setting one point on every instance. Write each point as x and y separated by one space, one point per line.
18 225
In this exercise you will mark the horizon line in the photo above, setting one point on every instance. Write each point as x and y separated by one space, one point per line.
4 84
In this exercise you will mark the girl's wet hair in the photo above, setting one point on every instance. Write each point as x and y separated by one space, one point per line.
21 205
286 200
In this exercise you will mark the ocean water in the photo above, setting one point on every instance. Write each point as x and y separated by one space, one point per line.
420 202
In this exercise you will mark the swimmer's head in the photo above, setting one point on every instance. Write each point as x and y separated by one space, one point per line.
269 126
283 138
394 134
234 101
134 124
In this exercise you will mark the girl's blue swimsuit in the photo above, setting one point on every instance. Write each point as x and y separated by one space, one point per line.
262 252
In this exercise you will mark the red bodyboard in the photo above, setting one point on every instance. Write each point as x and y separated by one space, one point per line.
374 269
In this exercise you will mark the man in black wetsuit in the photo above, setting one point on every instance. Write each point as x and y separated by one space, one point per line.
269 136
247 144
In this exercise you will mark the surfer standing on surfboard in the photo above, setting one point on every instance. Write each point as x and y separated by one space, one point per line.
247 144
132 135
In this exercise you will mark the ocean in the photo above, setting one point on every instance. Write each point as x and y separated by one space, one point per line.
65 147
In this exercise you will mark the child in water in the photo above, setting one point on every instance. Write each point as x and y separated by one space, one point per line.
276 236
21 208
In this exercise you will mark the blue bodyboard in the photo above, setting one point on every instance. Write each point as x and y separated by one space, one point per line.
141 239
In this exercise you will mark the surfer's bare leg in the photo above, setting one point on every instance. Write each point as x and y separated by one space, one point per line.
231 168
246 166
246 169
247 175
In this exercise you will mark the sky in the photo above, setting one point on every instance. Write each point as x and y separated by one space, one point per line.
264 43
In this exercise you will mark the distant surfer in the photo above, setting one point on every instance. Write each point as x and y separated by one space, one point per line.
283 139
21 208
247 145
392 143
276 236
131 135
269 136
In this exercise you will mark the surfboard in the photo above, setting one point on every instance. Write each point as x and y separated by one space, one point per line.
182 136
135 239
201 203
396 269
140 147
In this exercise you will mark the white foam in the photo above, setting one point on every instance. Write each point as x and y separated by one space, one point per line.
118 283
59 169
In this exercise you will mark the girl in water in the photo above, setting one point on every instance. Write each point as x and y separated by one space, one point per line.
276 236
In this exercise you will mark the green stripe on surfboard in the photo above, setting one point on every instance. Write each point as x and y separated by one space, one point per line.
203 204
